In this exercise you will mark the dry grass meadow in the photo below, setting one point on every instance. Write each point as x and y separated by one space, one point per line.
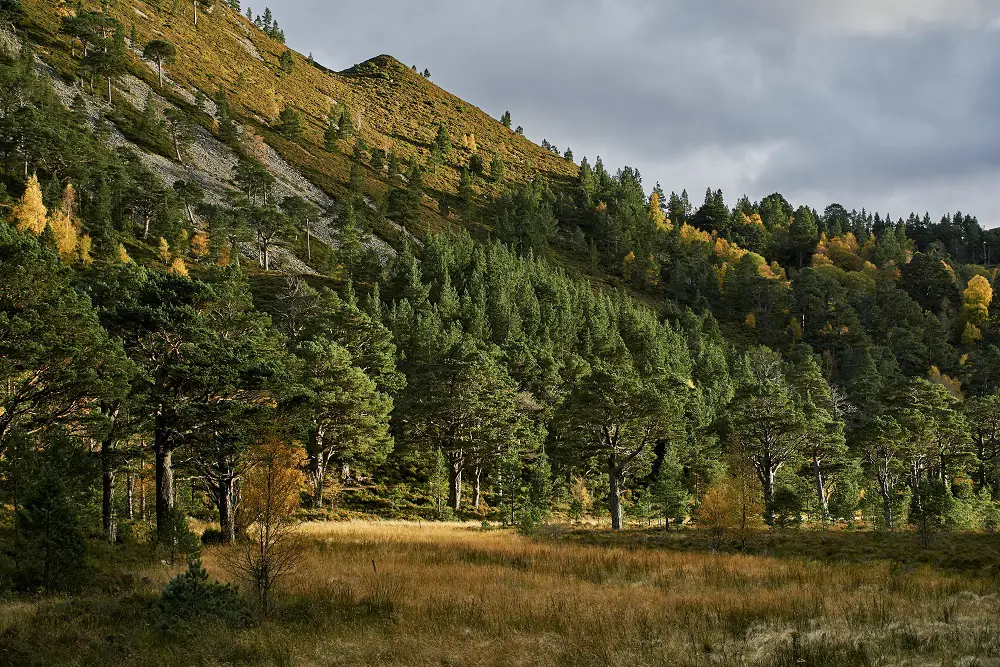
454 594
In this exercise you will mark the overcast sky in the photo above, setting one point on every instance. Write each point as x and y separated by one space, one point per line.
892 105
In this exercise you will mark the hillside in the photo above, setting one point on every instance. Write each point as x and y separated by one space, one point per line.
394 109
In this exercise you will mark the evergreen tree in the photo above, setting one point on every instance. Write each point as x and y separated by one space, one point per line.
159 51
668 491
290 123
286 62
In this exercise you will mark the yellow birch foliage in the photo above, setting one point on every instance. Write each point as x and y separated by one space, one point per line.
200 244
225 256
953 385
978 296
656 215
165 255
65 234
971 334
30 213
732 506
86 245
628 265
691 235
66 228
178 267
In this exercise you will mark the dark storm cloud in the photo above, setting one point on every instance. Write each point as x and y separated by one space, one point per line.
889 104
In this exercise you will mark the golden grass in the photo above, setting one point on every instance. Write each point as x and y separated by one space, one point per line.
454 594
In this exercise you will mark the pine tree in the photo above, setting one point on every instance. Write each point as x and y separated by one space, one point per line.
669 493
346 125
442 140
286 62
159 51
466 195
331 135
290 123
498 170
505 119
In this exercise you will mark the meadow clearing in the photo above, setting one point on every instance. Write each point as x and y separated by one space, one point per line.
455 594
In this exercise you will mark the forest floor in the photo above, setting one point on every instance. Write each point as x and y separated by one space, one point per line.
456 594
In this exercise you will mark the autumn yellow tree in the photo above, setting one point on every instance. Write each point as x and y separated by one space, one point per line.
178 267
200 245
85 246
656 214
122 254
267 514
165 255
977 298
30 214
733 506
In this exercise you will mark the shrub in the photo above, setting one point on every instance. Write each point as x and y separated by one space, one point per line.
787 506
177 541
845 500
930 507
212 536
190 597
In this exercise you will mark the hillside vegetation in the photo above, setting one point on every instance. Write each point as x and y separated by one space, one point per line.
393 108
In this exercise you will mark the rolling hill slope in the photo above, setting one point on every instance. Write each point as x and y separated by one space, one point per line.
394 109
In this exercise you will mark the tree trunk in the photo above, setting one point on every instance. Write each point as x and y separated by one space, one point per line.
768 479
164 477
195 3
887 511
309 251
886 492
318 460
225 499
477 487
820 491
456 463
130 496
615 495
109 520
159 71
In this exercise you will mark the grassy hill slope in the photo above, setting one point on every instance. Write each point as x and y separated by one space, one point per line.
394 108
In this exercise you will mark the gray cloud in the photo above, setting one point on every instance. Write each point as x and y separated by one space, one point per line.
890 105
